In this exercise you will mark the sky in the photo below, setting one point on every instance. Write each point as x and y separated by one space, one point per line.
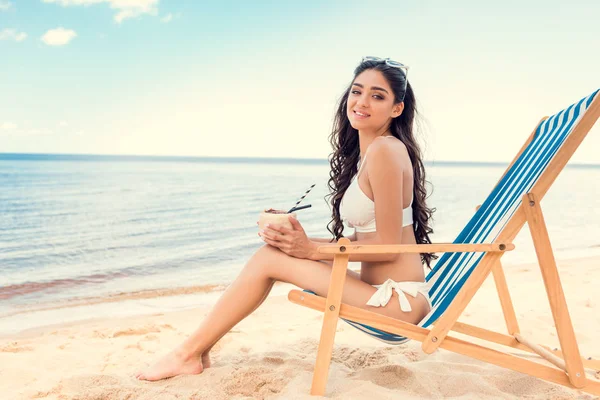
261 79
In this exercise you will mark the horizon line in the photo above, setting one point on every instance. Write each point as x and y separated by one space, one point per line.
182 158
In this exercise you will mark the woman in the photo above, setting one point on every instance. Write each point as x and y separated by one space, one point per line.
374 128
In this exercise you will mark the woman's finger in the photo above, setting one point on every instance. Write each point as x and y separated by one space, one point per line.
269 233
279 239
271 242
275 234
269 236
275 230
285 231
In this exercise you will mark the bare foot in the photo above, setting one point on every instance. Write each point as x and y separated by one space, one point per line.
172 364
206 360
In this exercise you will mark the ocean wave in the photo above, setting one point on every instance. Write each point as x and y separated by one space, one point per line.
116 297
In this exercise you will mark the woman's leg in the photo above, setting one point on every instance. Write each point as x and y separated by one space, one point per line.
206 354
246 293
206 363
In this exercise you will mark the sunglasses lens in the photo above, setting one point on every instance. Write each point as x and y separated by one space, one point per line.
371 58
396 64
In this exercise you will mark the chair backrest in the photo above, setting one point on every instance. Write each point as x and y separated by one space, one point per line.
452 269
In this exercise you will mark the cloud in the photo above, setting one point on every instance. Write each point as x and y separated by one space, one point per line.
8 126
63 124
125 8
167 18
58 37
5 5
12 34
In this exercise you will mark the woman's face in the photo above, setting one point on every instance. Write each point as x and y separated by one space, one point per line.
370 104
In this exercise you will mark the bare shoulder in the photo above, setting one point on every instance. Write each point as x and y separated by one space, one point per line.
387 151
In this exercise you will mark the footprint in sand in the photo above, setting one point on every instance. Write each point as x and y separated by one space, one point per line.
393 377
520 386
90 387
255 382
96 334
14 347
357 359
273 360
136 331
413 356
276 358
41 395
110 386
150 338
134 346
305 346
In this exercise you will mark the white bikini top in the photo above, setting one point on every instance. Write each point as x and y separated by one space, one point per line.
358 210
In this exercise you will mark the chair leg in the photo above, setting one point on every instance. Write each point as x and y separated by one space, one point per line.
330 320
511 341
444 324
450 343
556 296
505 301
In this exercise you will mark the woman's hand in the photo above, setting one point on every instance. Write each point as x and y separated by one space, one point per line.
292 242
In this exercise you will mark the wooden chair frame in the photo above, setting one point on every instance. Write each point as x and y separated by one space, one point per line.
568 369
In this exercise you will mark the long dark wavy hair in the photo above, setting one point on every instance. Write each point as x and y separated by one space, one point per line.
346 154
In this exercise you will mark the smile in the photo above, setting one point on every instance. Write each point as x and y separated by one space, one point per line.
360 115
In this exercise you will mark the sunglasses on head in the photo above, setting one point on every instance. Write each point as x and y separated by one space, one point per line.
393 64
389 62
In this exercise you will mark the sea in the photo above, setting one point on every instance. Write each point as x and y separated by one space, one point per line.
85 236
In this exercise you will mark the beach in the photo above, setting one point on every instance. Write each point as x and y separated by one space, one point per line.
108 263
271 353
143 143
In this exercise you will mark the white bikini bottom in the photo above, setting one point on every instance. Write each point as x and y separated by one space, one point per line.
384 293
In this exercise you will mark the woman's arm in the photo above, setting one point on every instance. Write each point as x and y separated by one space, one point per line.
385 174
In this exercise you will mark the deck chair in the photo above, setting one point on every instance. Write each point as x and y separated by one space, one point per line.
465 264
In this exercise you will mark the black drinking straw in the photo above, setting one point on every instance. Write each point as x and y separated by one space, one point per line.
301 198
299 208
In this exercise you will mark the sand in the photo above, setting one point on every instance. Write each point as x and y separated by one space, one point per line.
271 354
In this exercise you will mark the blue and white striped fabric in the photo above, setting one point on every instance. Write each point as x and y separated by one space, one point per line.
452 269
386 337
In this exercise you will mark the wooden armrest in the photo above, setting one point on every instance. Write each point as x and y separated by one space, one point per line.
415 248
